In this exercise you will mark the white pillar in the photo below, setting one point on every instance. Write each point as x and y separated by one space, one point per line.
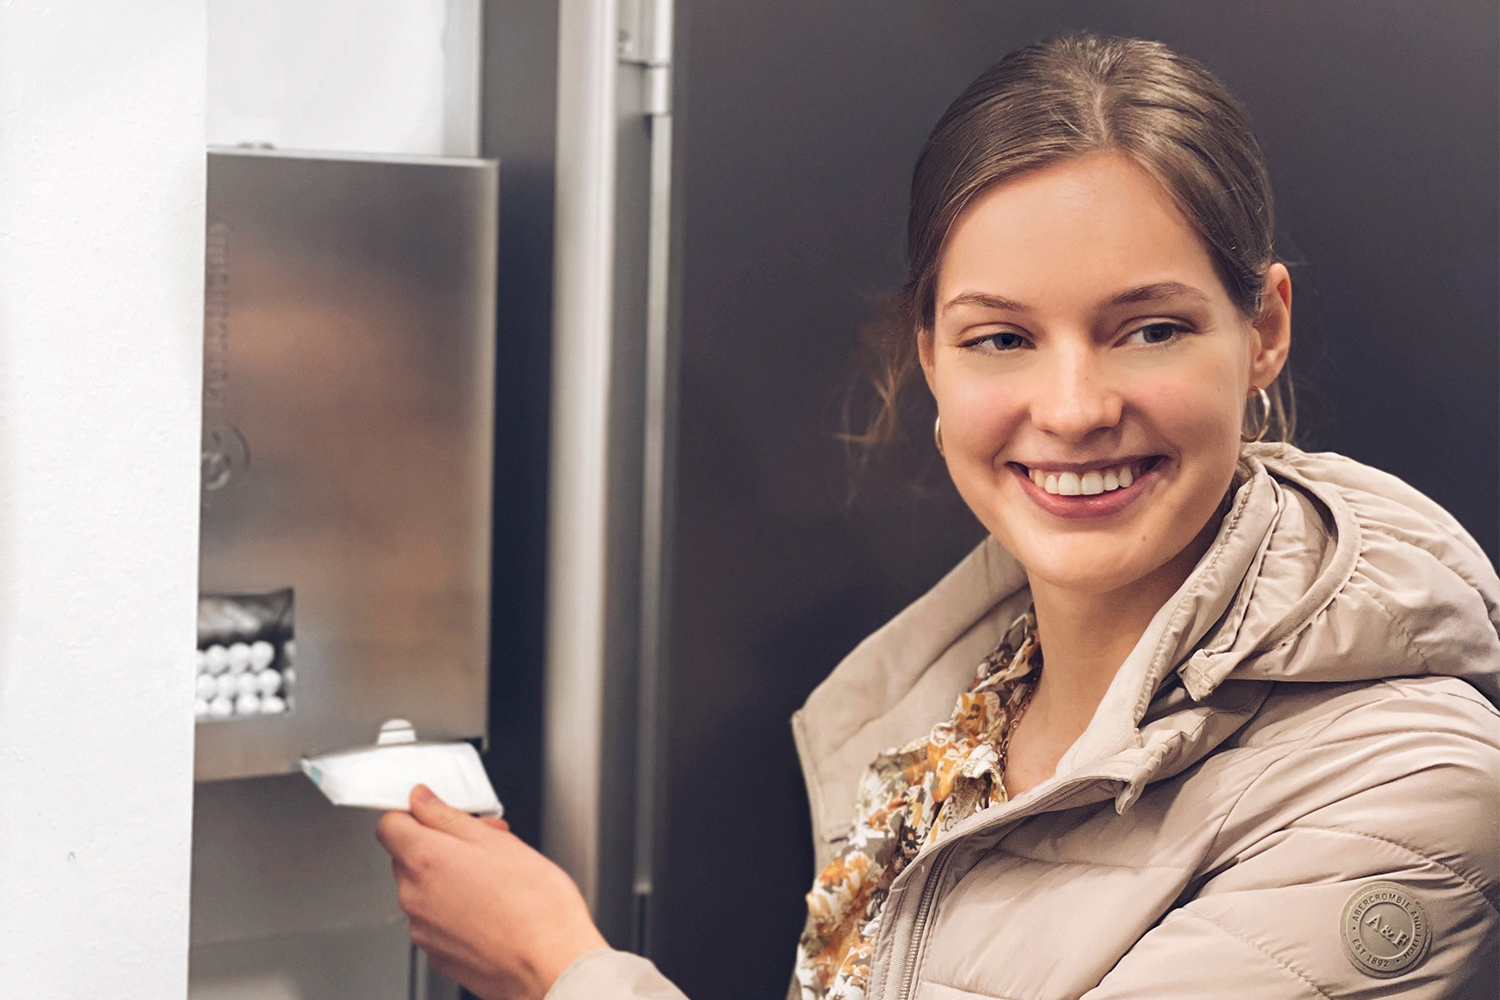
101 289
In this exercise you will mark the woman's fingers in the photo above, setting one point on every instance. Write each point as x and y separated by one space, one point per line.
491 912
396 831
434 813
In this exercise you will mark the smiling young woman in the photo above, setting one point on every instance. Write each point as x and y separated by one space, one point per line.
1094 370
1205 715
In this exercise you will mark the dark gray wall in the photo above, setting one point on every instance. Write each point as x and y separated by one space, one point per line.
799 124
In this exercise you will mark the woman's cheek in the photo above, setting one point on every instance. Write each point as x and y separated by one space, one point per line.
1196 411
978 418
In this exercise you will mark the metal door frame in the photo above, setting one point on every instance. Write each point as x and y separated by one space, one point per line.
612 405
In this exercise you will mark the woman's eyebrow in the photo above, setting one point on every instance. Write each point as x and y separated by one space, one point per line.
986 300
1157 291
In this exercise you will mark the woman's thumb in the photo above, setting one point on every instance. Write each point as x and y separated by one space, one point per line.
433 812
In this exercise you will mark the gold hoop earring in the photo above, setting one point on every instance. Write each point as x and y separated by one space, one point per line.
1264 422
937 433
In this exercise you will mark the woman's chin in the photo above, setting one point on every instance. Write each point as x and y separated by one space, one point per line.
1087 571
1092 584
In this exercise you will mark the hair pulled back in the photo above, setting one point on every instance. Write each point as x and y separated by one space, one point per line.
1059 99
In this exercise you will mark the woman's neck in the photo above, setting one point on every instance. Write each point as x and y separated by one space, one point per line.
1085 638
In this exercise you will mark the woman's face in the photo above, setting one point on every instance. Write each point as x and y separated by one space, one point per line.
1091 371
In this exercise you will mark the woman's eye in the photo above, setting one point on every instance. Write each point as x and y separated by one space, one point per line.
1155 333
1005 341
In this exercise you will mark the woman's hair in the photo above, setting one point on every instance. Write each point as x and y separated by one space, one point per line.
1060 99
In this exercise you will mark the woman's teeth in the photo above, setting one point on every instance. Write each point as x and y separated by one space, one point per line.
1071 484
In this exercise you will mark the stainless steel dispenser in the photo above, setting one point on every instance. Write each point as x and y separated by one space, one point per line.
347 460
348 401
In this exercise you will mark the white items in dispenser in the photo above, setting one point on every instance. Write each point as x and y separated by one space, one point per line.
382 776
243 679
245 655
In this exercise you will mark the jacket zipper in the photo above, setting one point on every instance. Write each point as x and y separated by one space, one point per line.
919 925
927 900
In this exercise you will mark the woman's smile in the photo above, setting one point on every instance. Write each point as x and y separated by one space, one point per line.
1089 489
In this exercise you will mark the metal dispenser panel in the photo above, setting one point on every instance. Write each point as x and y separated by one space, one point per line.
348 425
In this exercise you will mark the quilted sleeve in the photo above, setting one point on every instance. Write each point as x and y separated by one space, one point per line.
1364 863
606 974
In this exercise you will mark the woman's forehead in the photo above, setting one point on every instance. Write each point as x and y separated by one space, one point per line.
1084 232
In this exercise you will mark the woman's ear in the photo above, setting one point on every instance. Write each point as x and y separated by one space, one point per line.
1273 327
926 356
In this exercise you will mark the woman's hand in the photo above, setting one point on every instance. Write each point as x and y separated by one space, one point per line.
490 912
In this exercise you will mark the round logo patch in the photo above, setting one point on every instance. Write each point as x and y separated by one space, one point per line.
1384 930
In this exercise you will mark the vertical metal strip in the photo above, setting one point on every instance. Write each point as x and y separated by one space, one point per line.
654 474
582 340
653 529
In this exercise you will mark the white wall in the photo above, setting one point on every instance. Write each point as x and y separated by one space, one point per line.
101 288
351 76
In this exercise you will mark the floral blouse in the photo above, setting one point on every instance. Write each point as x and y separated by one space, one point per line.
908 799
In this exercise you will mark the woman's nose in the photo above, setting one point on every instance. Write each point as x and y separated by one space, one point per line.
1074 399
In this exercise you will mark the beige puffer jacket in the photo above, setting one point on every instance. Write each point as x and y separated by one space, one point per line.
1291 788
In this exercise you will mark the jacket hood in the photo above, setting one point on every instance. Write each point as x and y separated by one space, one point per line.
1357 577
1323 570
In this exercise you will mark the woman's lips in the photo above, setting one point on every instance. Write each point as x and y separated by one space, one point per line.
1101 504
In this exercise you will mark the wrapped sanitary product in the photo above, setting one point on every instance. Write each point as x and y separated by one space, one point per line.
382 776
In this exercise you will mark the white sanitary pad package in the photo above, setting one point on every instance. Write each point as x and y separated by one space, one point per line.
382 776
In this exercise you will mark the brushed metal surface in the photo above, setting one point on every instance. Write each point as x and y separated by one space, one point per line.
349 354
364 962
